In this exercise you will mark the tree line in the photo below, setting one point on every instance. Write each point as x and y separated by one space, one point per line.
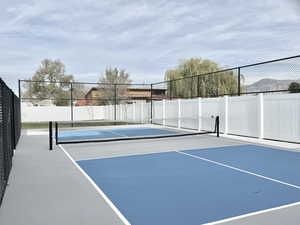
198 77
194 77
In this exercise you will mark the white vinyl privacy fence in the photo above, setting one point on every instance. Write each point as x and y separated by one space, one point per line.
274 116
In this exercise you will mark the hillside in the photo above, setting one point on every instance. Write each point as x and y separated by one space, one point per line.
270 85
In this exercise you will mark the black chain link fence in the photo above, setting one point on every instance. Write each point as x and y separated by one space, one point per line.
275 76
10 131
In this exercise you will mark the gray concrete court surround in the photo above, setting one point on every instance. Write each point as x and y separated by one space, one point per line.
46 188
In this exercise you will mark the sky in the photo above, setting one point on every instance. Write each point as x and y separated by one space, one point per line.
144 37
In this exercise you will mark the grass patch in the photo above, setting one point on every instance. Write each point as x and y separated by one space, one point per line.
35 125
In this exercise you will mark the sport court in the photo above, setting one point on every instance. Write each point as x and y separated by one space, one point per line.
198 179
202 149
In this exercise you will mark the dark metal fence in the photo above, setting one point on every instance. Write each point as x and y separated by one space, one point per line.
273 76
266 77
10 130
76 94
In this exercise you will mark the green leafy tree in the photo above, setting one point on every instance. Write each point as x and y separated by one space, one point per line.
50 82
207 84
294 87
113 84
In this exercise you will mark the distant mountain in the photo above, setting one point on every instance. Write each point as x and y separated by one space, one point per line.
270 85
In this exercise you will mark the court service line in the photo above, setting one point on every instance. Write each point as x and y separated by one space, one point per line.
237 169
103 195
252 214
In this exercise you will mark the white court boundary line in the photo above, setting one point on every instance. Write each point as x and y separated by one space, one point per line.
247 172
103 195
252 214
126 222
240 170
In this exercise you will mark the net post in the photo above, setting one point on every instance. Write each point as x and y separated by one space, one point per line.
50 136
56 133
218 126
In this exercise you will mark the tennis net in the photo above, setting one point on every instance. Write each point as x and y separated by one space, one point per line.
105 131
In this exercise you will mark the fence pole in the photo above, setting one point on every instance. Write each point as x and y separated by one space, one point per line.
179 113
19 88
13 134
192 88
72 110
198 86
20 93
170 84
115 102
151 104
239 81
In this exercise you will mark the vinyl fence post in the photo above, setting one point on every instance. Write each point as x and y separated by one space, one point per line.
151 104
261 115
226 114
199 114
134 112
164 112
115 102
142 112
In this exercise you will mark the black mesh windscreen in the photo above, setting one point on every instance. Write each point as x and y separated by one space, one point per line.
10 130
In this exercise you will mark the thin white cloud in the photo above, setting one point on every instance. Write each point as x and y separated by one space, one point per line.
144 37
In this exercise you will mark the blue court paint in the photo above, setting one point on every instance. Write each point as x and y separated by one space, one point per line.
174 189
142 131
274 163
86 134
111 133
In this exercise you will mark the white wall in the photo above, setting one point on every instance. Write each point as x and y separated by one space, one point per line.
61 113
88 112
158 112
45 113
274 116
210 109
282 117
189 113
171 113
243 115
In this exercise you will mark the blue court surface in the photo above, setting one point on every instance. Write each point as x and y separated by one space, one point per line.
111 133
197 186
